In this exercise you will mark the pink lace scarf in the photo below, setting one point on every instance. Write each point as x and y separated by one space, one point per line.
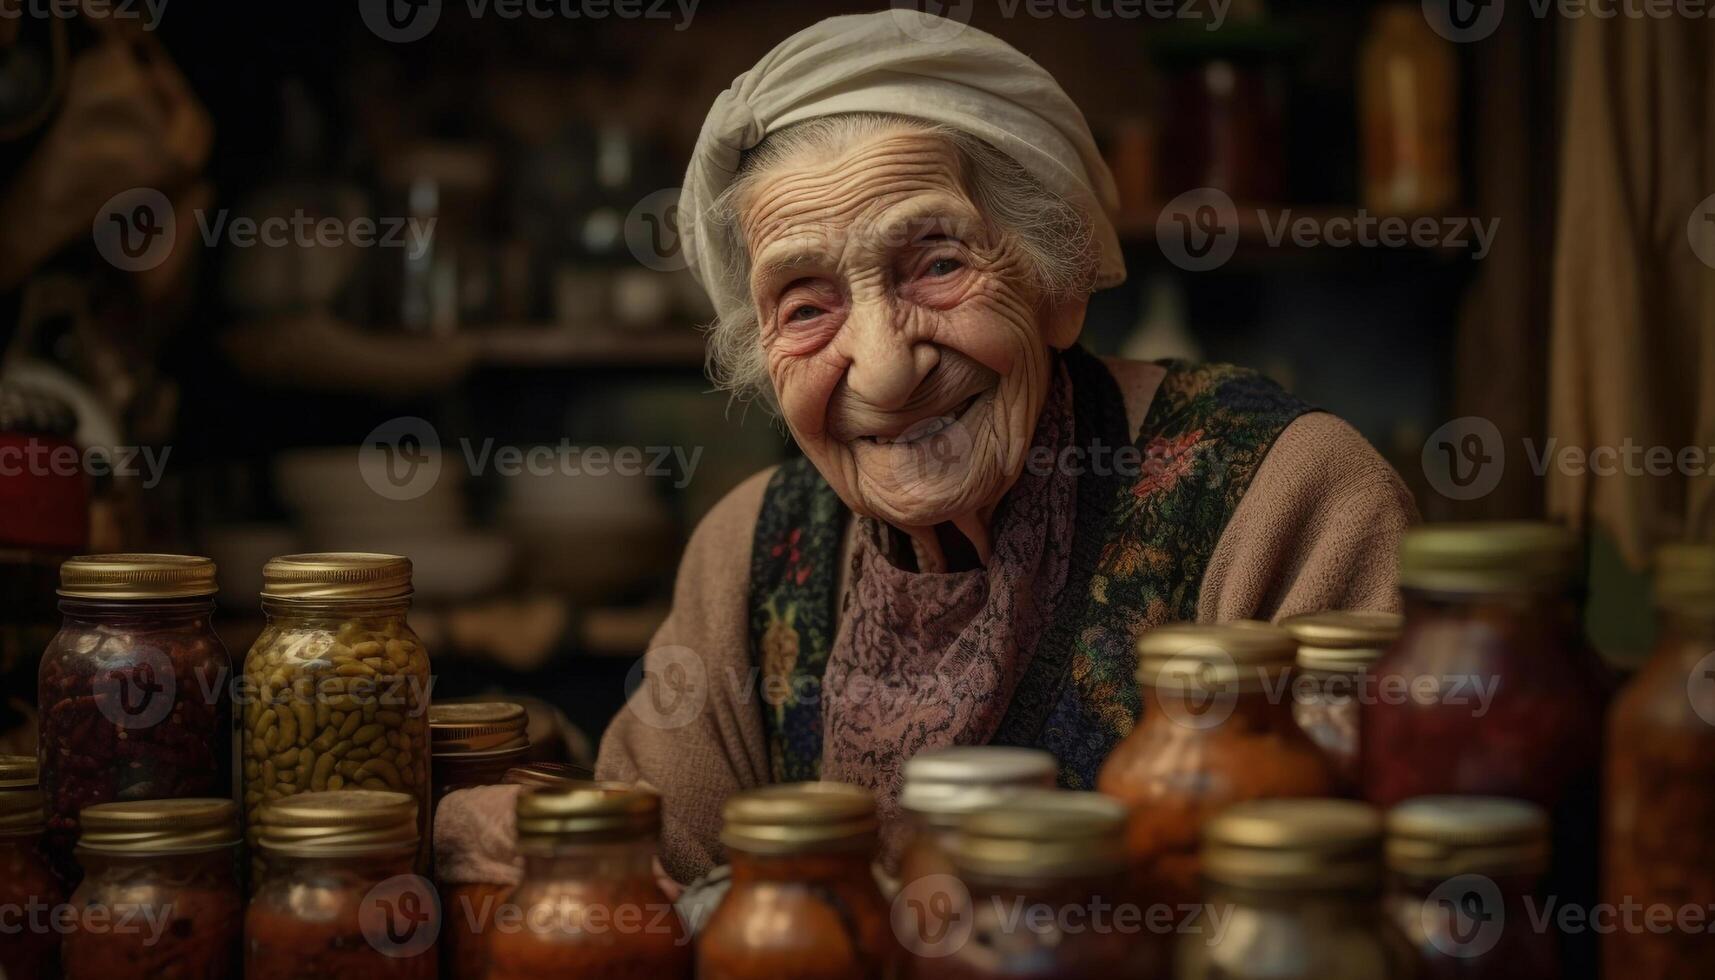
926 660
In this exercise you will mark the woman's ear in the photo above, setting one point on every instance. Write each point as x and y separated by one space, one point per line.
1063 321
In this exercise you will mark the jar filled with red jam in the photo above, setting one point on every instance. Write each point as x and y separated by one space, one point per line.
804 902
1040 895
1659 851
133 690
160 895
944 785
30 951
589 905
1463 872
1335 653
1299 886
341 899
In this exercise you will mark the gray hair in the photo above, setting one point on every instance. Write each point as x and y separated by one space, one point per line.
1053 236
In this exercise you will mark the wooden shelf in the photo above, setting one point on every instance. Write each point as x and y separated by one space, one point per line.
553 346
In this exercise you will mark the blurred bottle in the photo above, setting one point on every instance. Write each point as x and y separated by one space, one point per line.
1407 98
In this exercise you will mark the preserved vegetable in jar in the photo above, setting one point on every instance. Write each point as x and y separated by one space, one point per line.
589 905
26 882
132 690
336 687
804 902
1659 852
475 743
1300 882
161 879
1335 652
1462 872
1044 875
943 785
340 900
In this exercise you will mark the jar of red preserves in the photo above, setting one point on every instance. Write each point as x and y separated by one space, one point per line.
475 743
1335 652
1299 883
341 899
1462 871
804 901
1658 851
27 885
589 905
160 895
944 785
133 690
1217 729
1040 895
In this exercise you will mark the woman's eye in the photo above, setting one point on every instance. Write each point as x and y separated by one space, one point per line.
804 313
944 267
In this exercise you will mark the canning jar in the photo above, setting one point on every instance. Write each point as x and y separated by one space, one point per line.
1300 885
1040 895
589 905
1216 729
336 687
341 899
1335 653
27 883
160 895
1658 850
1462 874
804 902
132 690
475 743
943 785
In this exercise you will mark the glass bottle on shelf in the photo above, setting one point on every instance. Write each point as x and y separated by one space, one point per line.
31 952
1335 652
1408 107
943 785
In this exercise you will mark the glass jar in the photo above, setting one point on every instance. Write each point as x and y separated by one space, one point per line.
1661 776
160 895
589 905
1042 897
336 687
804 902
475 743
341 900
27 883
943 785
1335 652
1300 882
1462 871
1216 729
132 691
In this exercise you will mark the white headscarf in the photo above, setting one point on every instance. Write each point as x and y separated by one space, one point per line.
907 63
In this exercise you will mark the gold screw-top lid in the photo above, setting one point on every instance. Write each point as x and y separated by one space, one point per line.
136 577
465 728
1301 843
1344 641
1444 836
1685 577
547 775
1208 655
337 575
942 784
22 808
799 818
1495 556
1043 832
592 811
180 826
339 823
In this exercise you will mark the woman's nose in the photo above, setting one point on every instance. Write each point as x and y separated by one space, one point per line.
886 362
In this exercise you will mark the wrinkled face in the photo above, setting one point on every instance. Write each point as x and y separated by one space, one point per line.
904 338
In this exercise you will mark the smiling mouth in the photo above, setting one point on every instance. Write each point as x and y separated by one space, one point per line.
928 428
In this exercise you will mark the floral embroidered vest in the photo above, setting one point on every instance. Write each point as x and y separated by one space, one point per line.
1147 524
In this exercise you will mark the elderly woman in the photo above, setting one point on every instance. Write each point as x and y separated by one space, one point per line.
901 230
